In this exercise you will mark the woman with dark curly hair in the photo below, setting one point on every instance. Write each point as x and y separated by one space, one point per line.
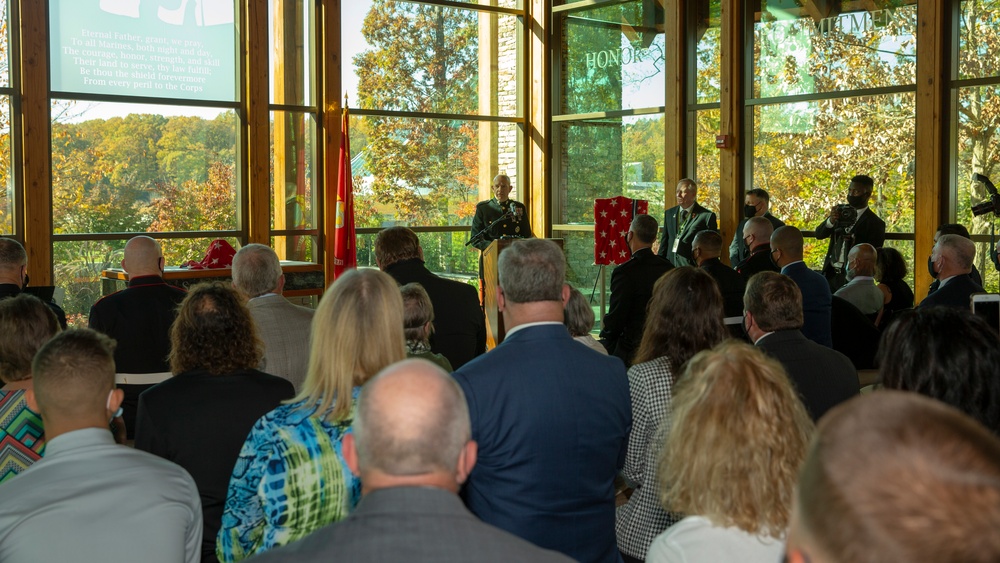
890 271
946 354
685 317
200 417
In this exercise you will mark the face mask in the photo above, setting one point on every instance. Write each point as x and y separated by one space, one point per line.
749 211
775 262
851 272
117 412
930 268
857 201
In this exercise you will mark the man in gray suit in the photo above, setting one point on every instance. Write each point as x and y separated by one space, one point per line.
412 447
282 326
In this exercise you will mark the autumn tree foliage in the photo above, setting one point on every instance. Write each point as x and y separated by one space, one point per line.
422 59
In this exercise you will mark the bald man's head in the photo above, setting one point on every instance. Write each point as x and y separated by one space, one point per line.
861 259
788 243
706 246
142 257
412 422
757 231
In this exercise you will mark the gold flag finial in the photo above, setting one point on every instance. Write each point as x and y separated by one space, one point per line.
345 99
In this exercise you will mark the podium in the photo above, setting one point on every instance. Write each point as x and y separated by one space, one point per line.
494 320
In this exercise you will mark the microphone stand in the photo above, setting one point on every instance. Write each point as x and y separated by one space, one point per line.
486 230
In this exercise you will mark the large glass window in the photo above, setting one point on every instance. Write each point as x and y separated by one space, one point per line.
833 97
608 122
977 120
704 26
8 193
126 158
438 92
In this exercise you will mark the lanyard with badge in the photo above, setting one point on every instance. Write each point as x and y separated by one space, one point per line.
680 229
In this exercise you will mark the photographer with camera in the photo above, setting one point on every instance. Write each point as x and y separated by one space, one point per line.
848 225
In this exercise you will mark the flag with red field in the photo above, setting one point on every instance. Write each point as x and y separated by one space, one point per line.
612 217
345 252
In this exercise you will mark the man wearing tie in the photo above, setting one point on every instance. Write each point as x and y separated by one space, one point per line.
682 222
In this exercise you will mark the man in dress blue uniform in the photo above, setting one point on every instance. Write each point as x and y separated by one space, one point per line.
499 217
139 319
551 417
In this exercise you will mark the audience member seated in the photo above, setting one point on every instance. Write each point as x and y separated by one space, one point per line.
737 436
685 317
890 271
860 289
550 417
951 260
897 477
418 325
460 328
631 288
757 236
854 334
822 377
89 499
281 325
706 249
199 418
580 321
756 203
787 250
25 324
951 229
947 354
412 448
139 319
291 477
14 274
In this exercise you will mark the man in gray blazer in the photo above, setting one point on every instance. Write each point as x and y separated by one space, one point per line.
282 326
412 446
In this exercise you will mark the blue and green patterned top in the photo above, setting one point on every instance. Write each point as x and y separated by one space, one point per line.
22 438
290 479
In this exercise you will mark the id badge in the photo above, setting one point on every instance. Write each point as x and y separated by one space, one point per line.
677 243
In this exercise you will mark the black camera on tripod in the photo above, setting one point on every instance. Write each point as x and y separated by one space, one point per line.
991 205
846 216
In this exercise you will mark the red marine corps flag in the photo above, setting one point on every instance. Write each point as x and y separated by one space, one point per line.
612 218
345 252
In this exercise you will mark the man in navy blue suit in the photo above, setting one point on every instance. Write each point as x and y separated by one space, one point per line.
951 260
550 415
817 300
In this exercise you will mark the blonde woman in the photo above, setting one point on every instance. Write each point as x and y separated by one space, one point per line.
291 477
737 437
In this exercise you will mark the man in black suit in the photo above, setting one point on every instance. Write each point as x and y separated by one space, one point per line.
952 229
757 236
459 324
706 250
951 260
823 377
867 228
682 222
631 289
139 318
14 275
755 204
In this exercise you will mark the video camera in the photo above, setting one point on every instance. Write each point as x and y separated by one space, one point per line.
847 215
991 205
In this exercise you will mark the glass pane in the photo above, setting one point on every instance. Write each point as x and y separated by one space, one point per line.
423 58
581 272
132 48
5 49
800 49
139 168
293 157
7 188
444 254
978 35
991 279
978 152
805 154
292 39
427 171
708 159
612 58
708 29
607 158
78 266
297 248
